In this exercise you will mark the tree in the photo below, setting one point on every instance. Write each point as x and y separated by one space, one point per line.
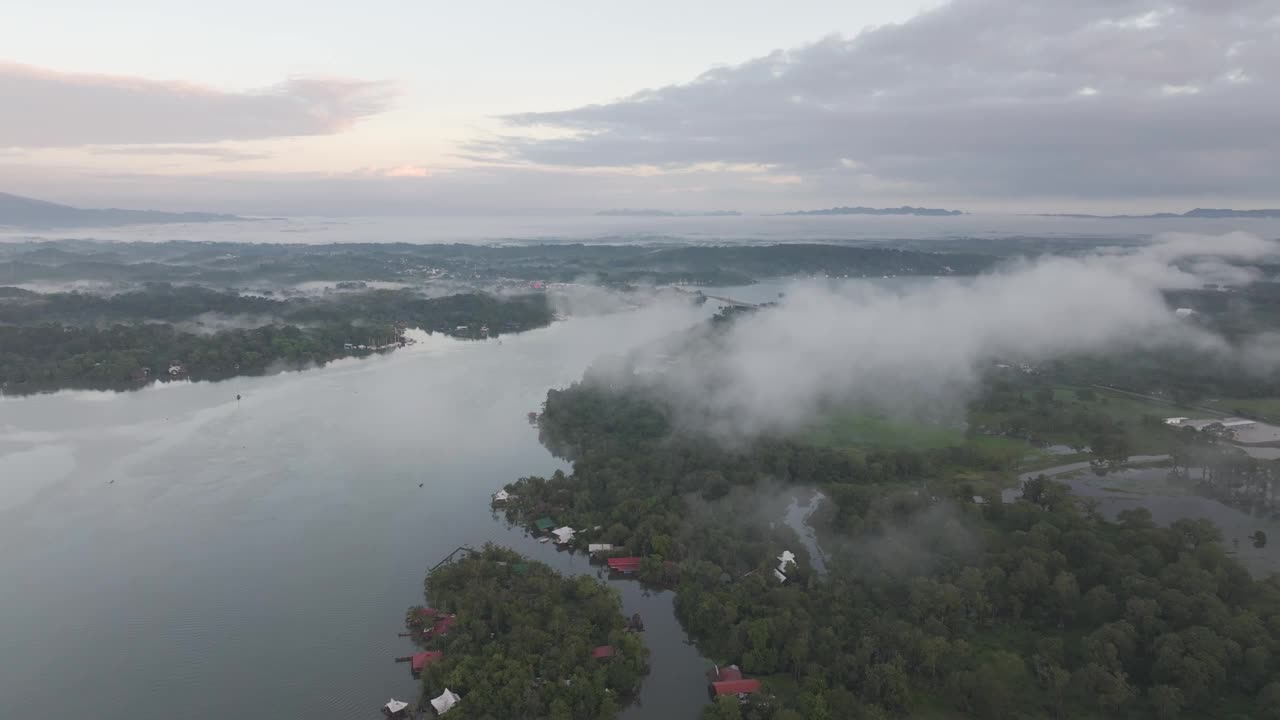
1166 701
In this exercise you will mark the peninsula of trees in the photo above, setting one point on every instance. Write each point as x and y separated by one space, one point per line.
161 331
526 642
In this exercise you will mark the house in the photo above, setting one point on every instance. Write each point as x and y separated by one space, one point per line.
544 524
176 369
396 709
501 496
736 687
602 652
979 500
348 347
423 659
599 547
563 534
1184 312
1175 420
729 681
444 625
626 565
785 559
447 700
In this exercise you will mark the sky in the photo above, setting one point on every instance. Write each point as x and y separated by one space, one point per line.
390 107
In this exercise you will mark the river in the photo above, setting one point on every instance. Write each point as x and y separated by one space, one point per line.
176 551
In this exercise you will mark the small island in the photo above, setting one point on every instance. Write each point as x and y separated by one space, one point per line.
506 637
904 210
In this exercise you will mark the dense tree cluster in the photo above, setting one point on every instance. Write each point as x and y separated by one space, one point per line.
933 605
81 340
521 645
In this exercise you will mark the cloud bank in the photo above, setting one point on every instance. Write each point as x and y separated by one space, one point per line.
1006 98
46 108
921 351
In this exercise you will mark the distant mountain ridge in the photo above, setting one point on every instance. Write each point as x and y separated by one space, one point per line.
904 210
628 212
1196 213
29 212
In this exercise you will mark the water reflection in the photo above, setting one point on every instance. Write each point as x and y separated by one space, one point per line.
255 558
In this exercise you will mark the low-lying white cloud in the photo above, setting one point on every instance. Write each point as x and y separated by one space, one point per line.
921 350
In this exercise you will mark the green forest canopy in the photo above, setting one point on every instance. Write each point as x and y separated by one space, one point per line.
521 646
934 606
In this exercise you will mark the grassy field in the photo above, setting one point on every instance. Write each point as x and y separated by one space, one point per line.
1266 408
853 430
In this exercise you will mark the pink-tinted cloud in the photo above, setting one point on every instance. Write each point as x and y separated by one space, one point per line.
46 108
406 171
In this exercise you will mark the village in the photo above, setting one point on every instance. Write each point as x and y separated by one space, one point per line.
430 626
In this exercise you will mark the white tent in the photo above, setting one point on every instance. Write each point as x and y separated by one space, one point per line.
394 706
563 534
447 699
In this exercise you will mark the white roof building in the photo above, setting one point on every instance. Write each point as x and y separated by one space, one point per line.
563 534
599 547
1184 312
394 706
1175 420
778 574
446 701
501 496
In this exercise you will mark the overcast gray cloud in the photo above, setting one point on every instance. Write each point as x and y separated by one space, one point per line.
46 108
1089 98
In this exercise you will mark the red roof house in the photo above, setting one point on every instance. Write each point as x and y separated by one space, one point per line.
423 659
444 624
604 651
624 564
735 687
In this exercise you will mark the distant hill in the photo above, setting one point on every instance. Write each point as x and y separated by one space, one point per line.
627 212
28 212
1196 213
904 210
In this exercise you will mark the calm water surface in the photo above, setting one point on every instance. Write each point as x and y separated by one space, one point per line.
176 552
